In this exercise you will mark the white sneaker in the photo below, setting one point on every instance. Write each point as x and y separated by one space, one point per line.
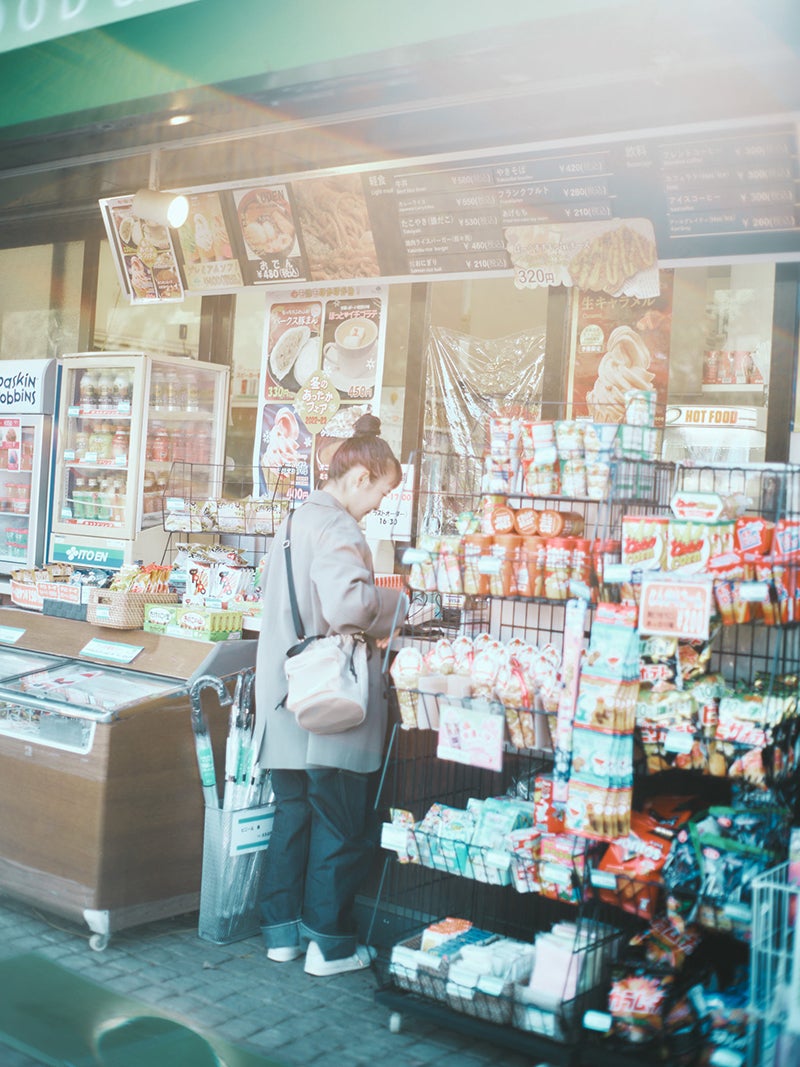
284 953
317 965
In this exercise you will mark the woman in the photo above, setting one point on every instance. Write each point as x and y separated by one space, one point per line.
322 840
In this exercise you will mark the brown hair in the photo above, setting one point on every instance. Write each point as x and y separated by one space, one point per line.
367 449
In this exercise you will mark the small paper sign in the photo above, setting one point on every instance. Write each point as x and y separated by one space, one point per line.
473 736
9 635
113 651
251 829
676 608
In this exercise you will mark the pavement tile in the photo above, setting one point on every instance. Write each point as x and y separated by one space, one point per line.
234 991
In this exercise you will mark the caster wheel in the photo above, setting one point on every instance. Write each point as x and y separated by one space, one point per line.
98 942
395 1022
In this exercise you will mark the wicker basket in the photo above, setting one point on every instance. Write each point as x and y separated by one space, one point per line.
122 610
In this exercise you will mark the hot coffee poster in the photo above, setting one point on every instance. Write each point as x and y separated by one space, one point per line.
321 369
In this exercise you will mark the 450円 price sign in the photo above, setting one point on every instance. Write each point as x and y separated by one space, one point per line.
676 607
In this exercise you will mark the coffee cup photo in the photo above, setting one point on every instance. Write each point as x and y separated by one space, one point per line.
352 346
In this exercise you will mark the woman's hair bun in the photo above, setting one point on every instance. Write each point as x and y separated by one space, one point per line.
367 426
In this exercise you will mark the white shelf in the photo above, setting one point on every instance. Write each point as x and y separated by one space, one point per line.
732 388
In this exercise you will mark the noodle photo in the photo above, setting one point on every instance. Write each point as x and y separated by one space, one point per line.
335 225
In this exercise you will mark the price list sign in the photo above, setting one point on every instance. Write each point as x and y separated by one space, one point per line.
676 607
452 220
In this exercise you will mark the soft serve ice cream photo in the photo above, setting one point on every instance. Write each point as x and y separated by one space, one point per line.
624 366
620 349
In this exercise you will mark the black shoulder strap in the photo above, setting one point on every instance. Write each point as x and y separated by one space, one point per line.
287 549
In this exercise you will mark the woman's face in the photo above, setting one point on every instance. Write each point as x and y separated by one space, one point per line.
368 495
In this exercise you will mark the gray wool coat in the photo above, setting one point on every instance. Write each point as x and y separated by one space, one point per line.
336 593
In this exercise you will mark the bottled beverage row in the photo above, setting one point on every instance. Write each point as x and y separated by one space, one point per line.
100 442
108 442
15 497
14 542
170 391
94 497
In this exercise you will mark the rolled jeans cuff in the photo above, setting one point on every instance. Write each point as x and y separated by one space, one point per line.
282 935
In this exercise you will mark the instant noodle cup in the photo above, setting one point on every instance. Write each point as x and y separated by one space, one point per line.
530 571
558 562
505 549
503 519
473 548
526 521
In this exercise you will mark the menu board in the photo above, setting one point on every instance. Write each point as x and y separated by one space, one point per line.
706 192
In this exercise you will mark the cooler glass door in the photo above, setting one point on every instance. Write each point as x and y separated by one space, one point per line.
99 437
185 433
24 442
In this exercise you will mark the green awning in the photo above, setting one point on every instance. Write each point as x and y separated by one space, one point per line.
213 42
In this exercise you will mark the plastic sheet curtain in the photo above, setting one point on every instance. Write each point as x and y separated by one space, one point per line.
468 380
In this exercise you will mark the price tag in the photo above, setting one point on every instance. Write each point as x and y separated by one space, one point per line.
603 879
616 572
488 565
678 741
69 455
757 592
9 635
415 555
113 651
555 873
73 412
679 607
90 457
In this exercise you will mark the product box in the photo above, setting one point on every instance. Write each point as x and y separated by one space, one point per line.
195 622
157 617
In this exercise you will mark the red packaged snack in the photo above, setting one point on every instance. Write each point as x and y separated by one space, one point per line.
752 533
636 862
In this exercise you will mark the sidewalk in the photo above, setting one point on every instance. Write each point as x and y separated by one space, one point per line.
235 992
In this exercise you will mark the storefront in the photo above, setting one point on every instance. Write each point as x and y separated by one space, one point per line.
524 221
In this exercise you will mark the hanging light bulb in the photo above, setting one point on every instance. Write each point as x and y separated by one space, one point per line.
161 207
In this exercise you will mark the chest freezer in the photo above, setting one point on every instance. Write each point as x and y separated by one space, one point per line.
99 788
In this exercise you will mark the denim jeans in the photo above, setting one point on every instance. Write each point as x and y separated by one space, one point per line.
323 839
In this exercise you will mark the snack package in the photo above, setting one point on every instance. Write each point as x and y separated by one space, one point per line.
635 863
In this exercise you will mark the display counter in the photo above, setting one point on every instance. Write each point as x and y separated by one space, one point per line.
102 807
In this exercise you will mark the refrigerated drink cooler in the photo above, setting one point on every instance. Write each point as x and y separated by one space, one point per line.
124 419
100 793
27 403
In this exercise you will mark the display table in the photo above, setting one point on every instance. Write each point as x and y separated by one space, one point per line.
102 807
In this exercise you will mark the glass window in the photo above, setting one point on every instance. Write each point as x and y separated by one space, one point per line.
719 363
156 329
40 299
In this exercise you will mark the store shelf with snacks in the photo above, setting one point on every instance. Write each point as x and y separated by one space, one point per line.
663 735
218 541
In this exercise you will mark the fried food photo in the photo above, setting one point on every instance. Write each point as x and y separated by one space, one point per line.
609 260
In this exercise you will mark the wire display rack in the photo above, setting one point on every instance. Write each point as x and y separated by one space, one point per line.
465 882
774 1009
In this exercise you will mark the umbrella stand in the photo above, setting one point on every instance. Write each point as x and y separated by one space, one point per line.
237 833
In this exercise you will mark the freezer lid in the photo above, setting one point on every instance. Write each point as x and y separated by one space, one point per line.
88 690
14 661
169 658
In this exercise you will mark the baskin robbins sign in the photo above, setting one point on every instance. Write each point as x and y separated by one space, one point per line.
28 387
